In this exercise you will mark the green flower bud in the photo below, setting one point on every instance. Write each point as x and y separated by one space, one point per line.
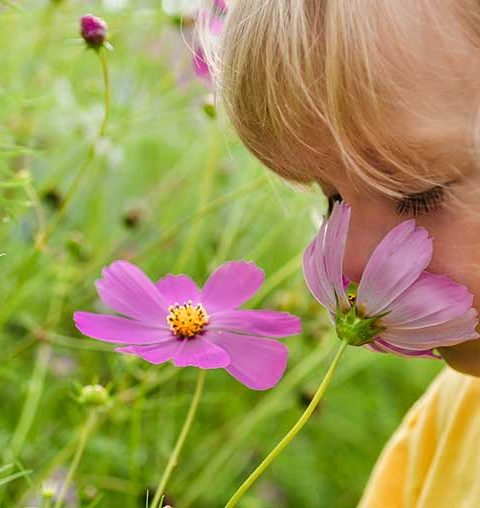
93 395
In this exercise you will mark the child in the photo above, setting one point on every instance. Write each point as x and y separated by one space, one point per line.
377 101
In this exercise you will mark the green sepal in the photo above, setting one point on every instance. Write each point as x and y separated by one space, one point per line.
356 330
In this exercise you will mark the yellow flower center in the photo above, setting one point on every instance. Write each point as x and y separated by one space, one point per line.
187 320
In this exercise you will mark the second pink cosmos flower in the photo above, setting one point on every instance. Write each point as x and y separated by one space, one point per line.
173 319
397 306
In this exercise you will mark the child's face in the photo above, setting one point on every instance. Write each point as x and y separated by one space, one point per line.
453 223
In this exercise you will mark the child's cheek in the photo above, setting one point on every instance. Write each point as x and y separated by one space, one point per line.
457 254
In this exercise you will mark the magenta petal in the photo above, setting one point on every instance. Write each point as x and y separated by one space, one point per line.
200 64
231 285
257 363
127 290
118 330
395 264
431 300
450 333
156 354
178 289
202 353
257 322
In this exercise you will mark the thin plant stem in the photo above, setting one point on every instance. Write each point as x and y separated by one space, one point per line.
35 389
286 440
172 461
272 404
82 443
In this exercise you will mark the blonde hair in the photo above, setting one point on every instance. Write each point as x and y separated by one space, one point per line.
318 86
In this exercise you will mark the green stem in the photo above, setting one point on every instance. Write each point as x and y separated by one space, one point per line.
172 461
82 443
291 433
35 389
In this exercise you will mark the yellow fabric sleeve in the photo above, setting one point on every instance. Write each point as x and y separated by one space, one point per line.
433 459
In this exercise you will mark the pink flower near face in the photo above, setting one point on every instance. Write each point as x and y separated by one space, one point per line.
174 320
397 307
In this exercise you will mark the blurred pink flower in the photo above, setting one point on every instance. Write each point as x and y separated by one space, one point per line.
93 30
397 307
220 5
200 65
174 320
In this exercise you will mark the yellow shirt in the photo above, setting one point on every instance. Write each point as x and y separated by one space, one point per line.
433 459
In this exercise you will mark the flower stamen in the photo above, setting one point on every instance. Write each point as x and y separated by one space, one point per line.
187 320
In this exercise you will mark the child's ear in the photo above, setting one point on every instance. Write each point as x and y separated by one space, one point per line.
464 357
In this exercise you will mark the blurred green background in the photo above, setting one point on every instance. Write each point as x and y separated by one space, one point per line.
172 190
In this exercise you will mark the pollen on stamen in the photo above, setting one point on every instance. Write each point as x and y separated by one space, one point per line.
185 320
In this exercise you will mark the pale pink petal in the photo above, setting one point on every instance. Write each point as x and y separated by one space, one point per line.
202 353
231 285
178 289
450 333
334 250
267 323
396 263
119 330
430 300
257 363
216 25
383 346
314 271
156 354
127 290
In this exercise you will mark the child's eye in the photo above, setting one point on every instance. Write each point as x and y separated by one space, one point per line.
422 202
334 198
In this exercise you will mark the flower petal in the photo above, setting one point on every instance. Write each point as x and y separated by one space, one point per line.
450 333
118 330
430 300
314 272
127 290
395 264
202 353
267 323
231 285
178 289
335 242
156 354
257 363
383 346
323 260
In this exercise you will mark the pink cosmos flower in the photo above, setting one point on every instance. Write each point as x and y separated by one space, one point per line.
397 307
173 319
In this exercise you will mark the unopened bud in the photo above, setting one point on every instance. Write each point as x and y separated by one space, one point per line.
93 395
93 30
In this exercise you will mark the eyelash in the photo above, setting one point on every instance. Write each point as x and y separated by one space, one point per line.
422 202
414 204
